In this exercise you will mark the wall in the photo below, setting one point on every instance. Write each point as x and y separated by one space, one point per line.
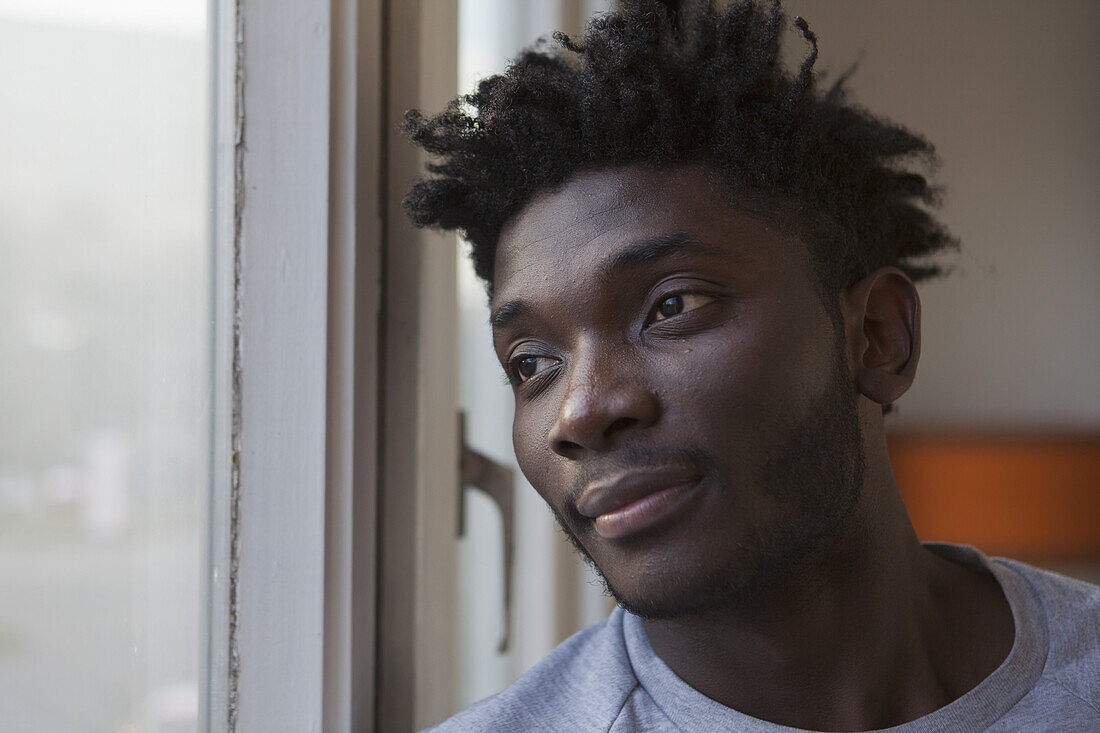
1009 92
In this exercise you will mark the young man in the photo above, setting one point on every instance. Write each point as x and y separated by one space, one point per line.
701 273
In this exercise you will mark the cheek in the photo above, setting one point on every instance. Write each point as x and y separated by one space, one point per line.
745 380
522 441
530 428
723 369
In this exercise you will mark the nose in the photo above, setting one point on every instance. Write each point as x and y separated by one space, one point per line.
600 405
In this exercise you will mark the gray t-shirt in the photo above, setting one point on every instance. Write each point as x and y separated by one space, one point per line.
607 677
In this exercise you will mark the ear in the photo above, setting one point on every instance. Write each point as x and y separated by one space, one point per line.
882 318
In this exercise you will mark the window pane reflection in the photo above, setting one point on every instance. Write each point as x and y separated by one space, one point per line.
104 363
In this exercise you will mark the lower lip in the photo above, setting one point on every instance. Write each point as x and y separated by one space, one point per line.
645 513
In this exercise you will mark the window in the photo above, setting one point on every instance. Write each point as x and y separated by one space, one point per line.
105 352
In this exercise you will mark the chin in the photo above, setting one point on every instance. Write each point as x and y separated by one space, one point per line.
665 602
694 575
673 592
674 582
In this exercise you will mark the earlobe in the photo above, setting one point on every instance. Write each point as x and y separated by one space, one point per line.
882 315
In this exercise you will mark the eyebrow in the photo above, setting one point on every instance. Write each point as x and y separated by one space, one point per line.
663 246
660 247
507 313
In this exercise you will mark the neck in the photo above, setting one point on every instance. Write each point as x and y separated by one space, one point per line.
871 631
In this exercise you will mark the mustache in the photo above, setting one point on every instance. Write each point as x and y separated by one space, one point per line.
633 457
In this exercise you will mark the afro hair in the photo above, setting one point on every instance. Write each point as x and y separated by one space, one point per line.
669 83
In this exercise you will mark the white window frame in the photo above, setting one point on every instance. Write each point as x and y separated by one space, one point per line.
335 444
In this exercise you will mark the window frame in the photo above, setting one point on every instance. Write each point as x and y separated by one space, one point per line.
332 504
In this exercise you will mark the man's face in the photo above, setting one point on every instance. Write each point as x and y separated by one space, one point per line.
683 402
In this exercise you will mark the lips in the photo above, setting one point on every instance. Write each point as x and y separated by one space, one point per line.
637 500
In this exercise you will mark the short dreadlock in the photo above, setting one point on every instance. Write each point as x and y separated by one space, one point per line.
667 83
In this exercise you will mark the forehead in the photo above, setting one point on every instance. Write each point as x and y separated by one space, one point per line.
562 236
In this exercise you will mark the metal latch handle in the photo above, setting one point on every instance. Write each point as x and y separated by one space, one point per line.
496 481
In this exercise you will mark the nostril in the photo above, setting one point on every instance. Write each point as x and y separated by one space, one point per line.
566 448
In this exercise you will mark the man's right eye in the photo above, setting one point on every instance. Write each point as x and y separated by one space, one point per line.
526 366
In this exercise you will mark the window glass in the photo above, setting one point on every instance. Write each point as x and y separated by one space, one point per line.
105 362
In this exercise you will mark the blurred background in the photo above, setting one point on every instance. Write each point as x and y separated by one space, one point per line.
997 443
105 332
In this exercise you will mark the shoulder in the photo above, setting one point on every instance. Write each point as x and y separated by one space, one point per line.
1071 612
581 685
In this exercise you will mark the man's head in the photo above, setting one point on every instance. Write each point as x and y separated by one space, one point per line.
659 338
699 268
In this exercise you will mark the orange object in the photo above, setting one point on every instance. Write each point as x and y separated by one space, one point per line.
1031 497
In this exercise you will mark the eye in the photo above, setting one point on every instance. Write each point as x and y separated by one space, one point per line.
679 303
525 366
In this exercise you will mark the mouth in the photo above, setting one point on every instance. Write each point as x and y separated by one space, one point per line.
637 500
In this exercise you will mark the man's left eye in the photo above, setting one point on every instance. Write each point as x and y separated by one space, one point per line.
679 303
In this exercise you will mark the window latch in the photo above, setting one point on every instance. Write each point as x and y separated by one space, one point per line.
495 480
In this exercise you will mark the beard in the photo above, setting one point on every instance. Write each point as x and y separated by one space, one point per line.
815 478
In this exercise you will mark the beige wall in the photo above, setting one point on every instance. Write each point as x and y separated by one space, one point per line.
1009 92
